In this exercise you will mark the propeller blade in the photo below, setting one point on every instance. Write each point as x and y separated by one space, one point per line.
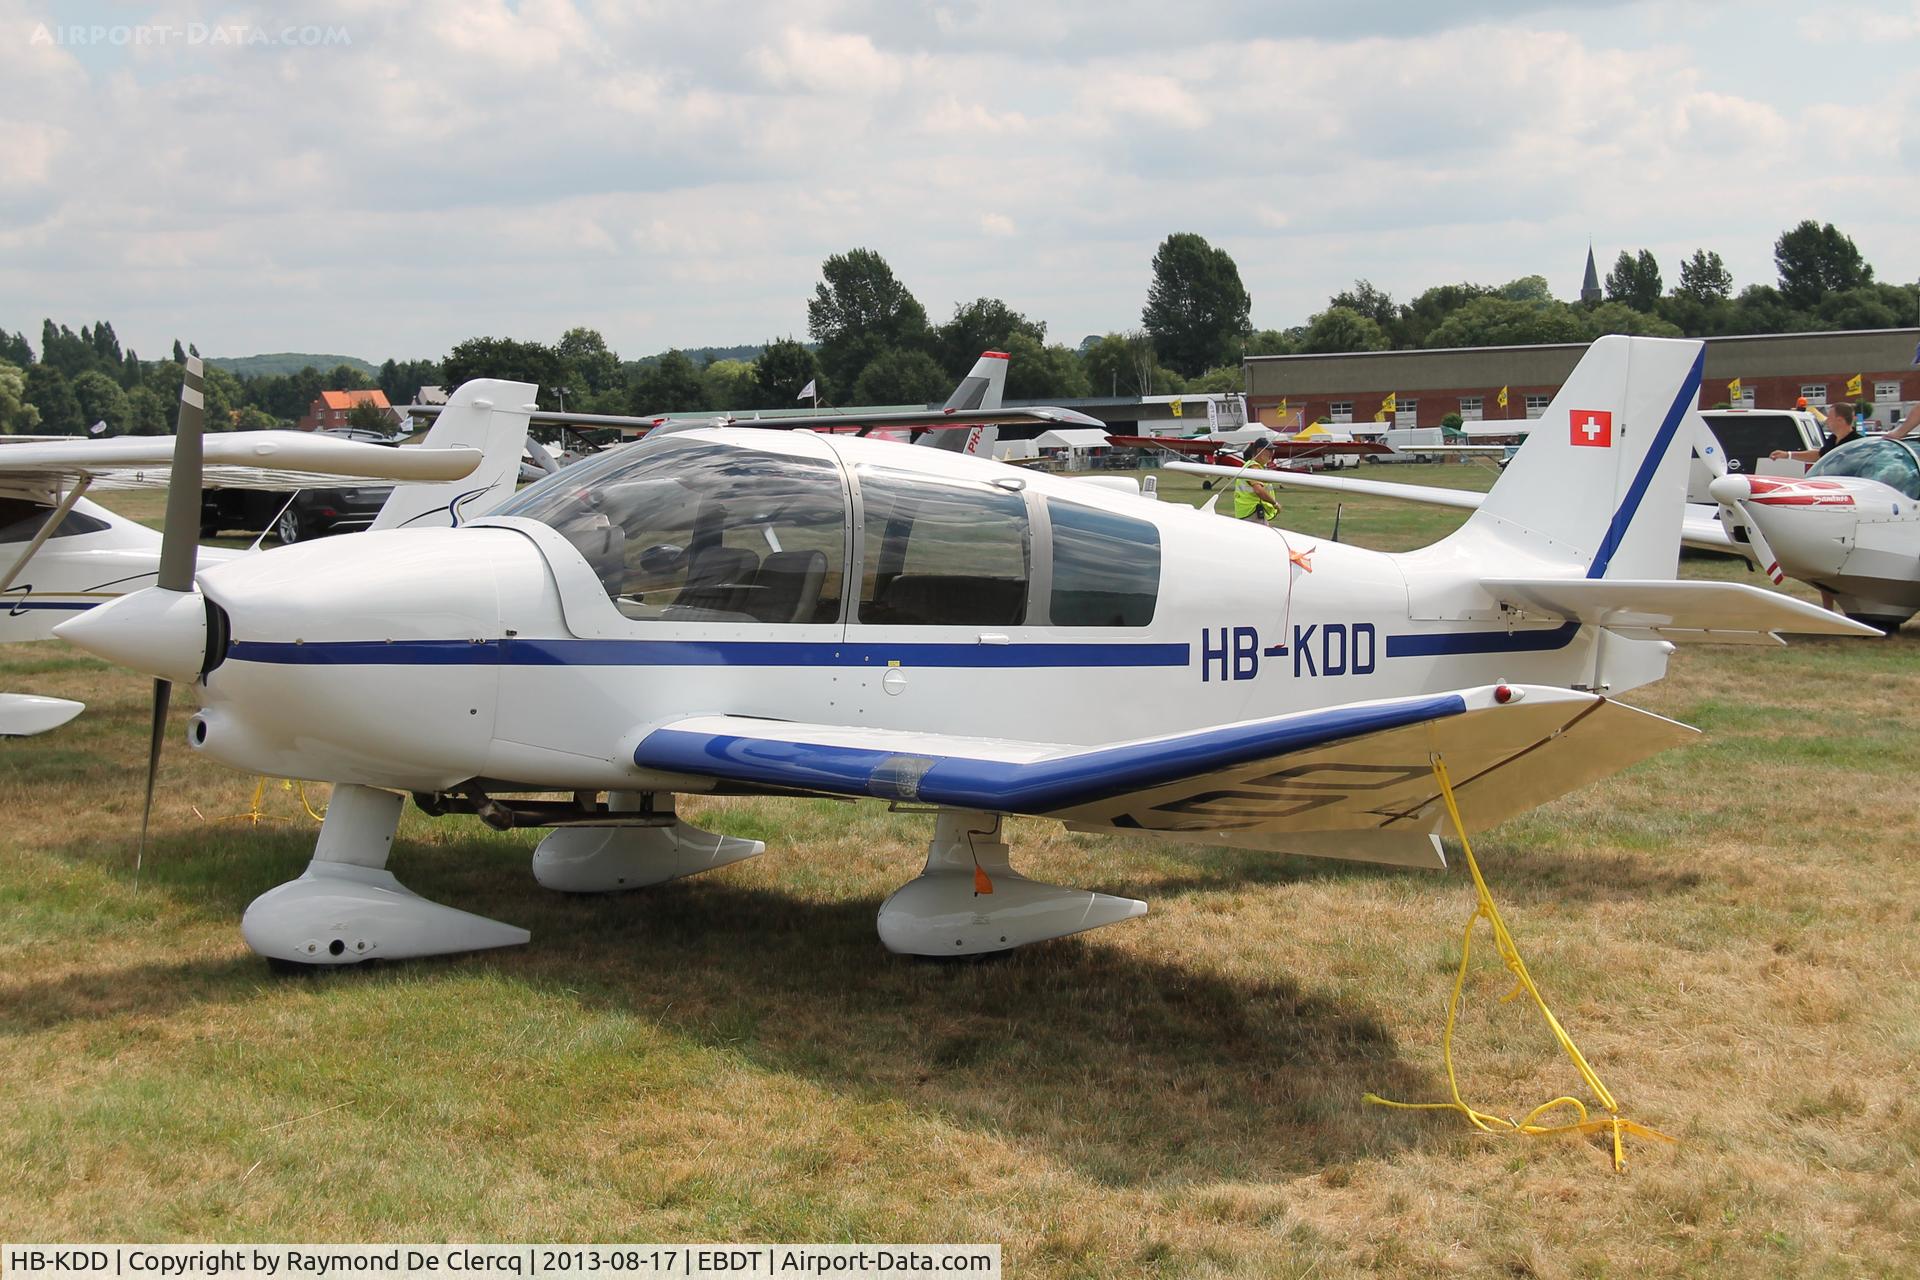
180 540
179 555
1762 551
162 695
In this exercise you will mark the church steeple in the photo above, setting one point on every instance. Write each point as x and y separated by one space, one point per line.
1590 285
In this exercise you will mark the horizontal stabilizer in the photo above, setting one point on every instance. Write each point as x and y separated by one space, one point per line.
1712 612
1362 768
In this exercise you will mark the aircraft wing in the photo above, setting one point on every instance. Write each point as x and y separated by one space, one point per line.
1350 781
1432 495
235 459
1666 609
1284 448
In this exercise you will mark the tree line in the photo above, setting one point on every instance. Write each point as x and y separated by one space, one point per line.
872 342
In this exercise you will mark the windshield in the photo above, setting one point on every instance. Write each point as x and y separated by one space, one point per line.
694 531
1891 462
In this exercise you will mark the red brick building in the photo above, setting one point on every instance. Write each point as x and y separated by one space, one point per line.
331 408
1774 371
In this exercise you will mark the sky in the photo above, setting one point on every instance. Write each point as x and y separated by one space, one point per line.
379 179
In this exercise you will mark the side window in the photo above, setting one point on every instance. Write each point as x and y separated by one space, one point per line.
942 552
20 520
1106 568
699 532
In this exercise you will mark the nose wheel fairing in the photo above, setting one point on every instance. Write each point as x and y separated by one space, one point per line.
348 908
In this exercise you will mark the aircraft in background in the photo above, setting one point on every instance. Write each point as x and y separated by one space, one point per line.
789 613
1850 526
62 554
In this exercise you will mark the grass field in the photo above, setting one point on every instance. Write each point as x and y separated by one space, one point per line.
1729 931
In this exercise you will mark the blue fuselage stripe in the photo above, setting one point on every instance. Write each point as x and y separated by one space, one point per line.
519 652
1037 787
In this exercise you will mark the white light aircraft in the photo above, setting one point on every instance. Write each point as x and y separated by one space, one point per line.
734 611
1850 526
61 554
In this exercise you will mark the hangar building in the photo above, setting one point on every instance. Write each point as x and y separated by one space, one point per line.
1774 370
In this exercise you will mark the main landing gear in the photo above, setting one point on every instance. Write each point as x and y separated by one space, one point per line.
348 908
970 901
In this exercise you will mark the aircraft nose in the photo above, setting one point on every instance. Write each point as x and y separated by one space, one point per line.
1730 489
155 632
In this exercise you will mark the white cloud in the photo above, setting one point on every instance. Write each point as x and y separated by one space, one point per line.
676 178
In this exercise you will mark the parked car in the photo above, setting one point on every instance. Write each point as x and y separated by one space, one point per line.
302 514
1748 435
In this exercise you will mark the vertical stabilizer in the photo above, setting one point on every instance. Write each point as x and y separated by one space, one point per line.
485 414
1599 487
982 388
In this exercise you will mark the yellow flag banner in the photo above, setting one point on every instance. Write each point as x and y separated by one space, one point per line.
1380 416
1853 385
1502 401
1733 391
1282 410
1176 408
1390 404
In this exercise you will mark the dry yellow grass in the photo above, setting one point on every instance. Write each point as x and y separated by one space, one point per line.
1727 930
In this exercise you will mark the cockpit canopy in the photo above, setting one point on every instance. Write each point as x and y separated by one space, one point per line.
1891 462
702 529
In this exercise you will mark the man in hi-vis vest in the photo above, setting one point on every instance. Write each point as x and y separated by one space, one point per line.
1253 500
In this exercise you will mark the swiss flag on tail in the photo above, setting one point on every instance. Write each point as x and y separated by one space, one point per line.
1593 427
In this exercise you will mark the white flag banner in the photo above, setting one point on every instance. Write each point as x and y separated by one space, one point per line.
98 429
807 391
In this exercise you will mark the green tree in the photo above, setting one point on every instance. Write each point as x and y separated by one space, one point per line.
860 310
1268 342
49 392
1036 371
1196 305
1526 289
1635 280
1871 306
254 418
14 349
1420 317
902 377
1704 278
368 416
985 324
101 400
590 366
782 372
17 417
1761 308
1342 329
1618 317
506 358
1126 364
1370 302
1225 378
729 385
1815 260
147 413
670 384
1500 321
401 380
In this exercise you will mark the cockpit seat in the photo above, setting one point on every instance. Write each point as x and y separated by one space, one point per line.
787 586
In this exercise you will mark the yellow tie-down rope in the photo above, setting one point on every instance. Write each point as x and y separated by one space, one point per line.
255 814
1613 1123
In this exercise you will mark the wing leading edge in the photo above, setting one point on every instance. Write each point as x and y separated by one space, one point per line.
1352 781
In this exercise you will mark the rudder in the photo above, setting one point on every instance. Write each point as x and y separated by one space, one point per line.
1599 487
